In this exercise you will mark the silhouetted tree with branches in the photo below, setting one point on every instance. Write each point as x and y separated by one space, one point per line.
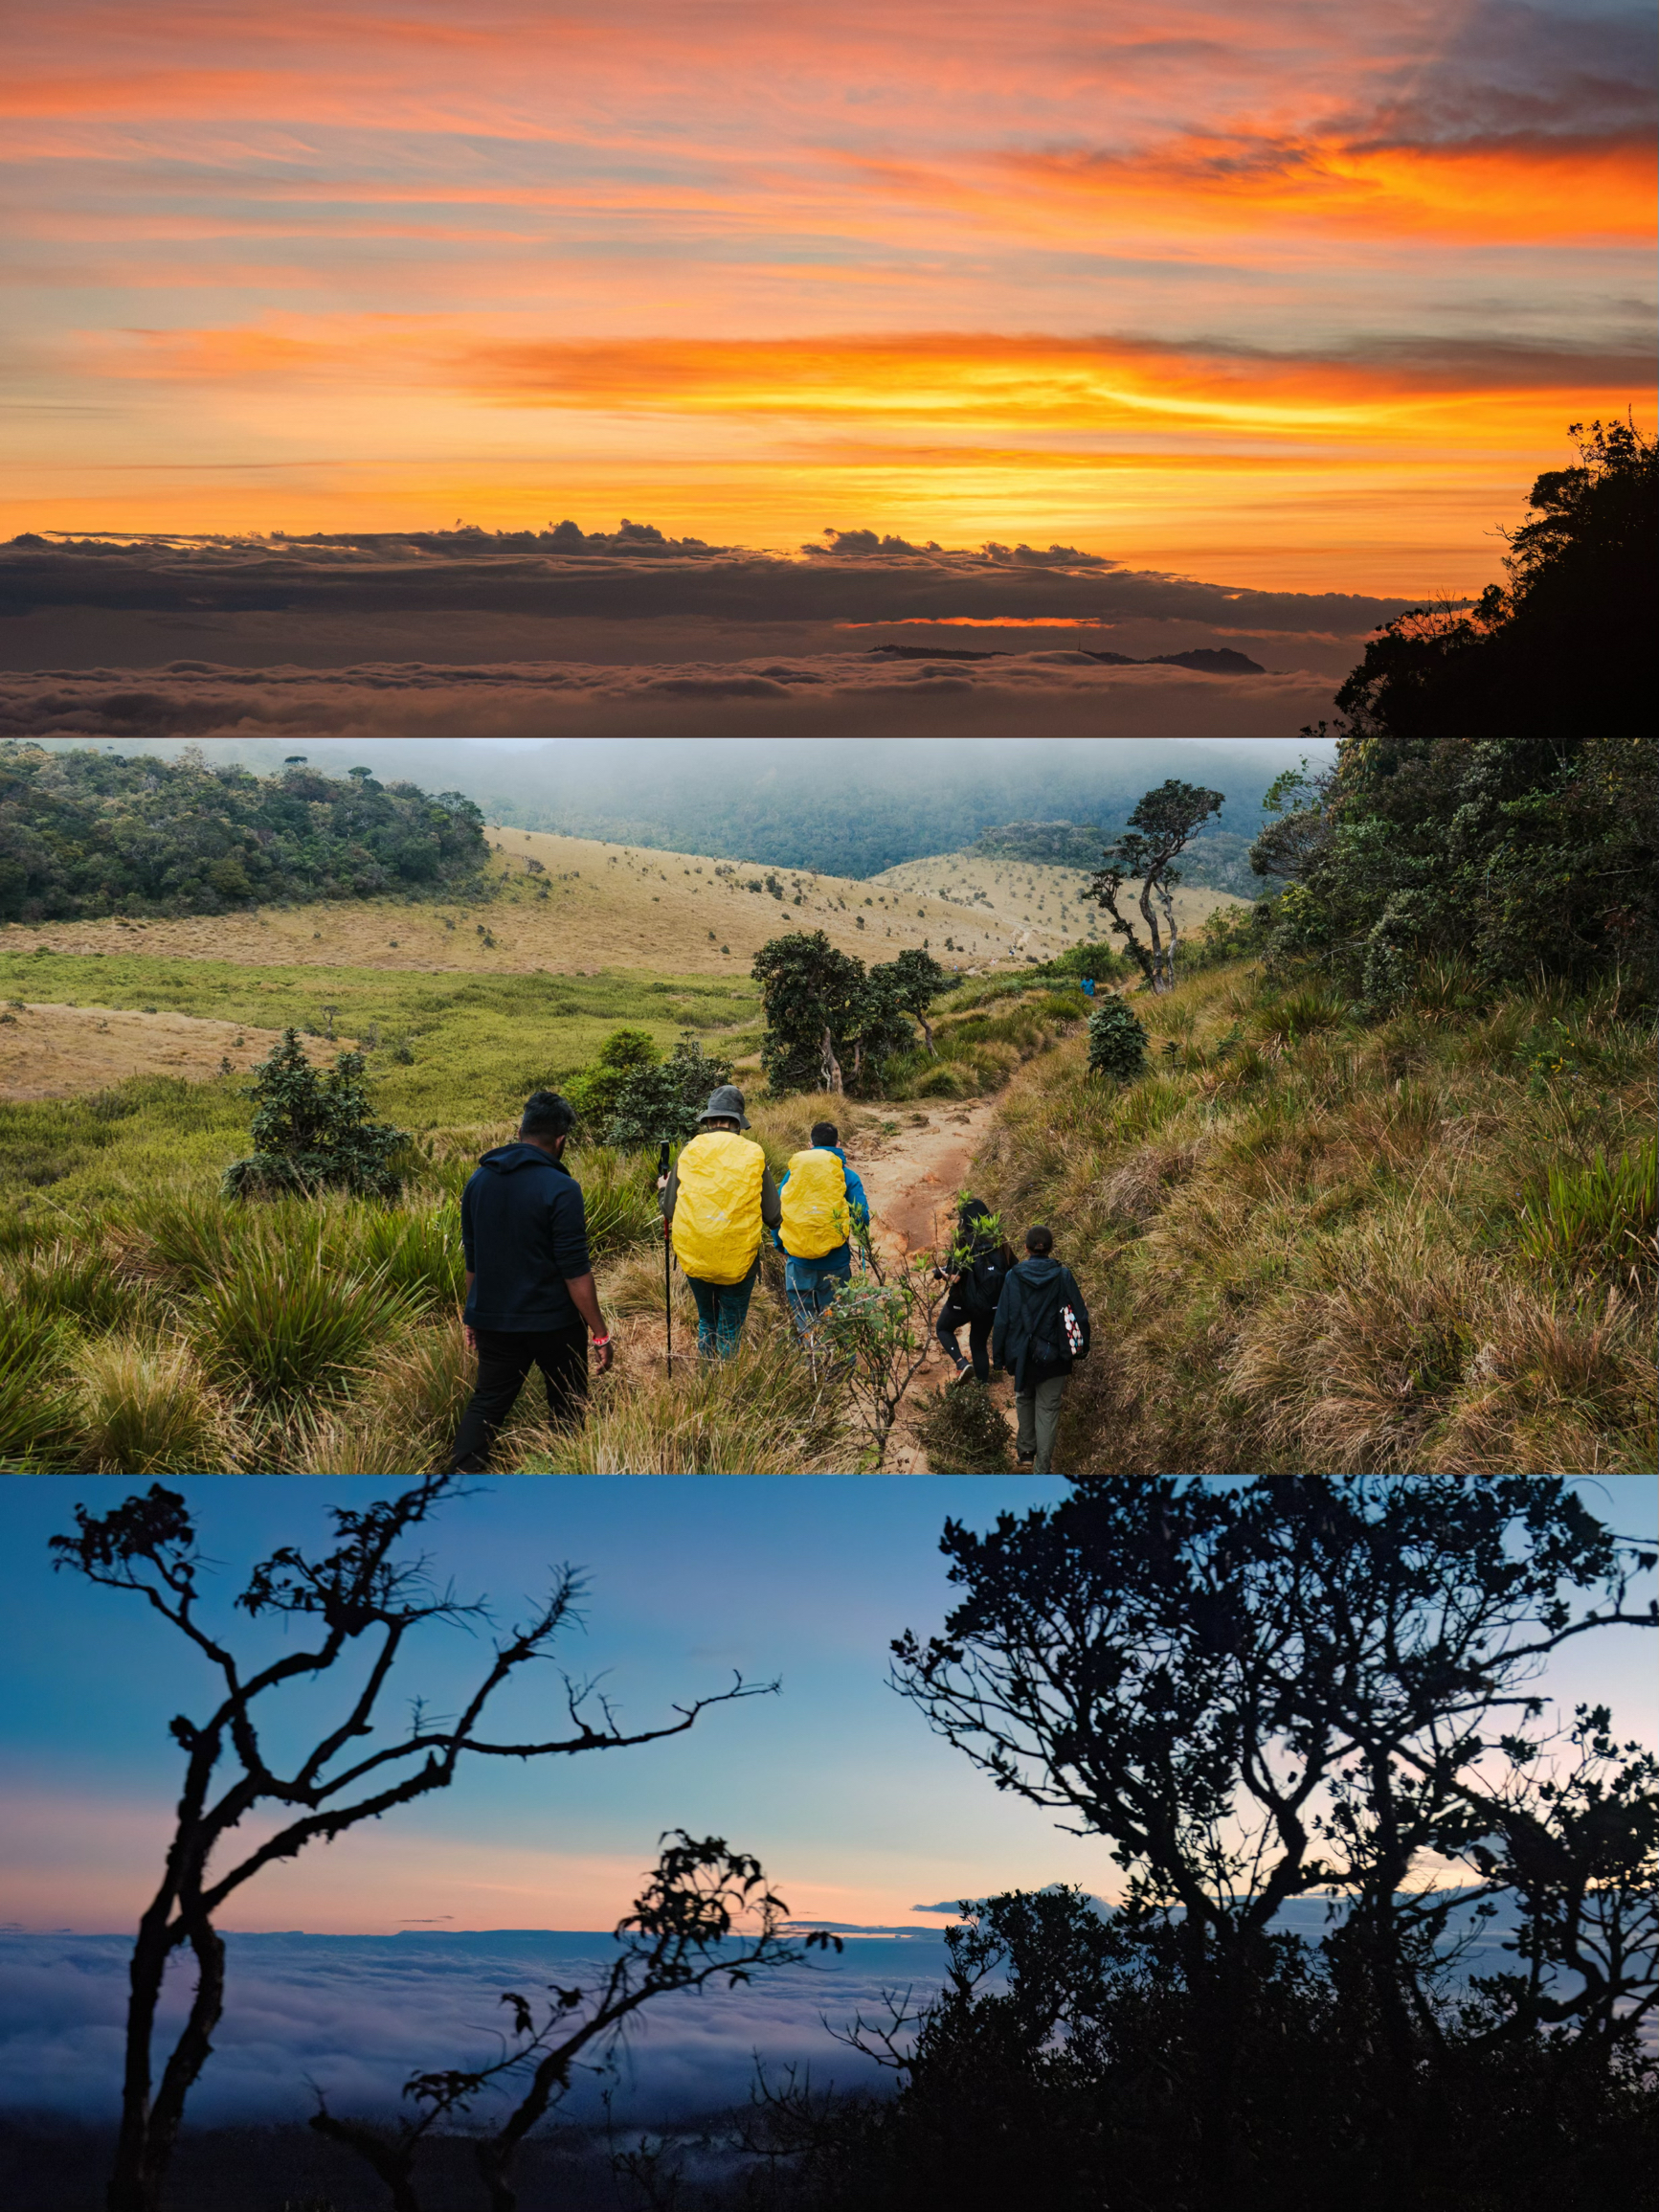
361 1599
1306 1685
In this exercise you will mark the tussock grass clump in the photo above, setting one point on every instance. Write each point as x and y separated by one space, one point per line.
964 1431
1593 1217
763 1412
1309 1243
36 1413
286 1320
143 1407
76 1281
417 1253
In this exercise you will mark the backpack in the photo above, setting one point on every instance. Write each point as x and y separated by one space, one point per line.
981 1286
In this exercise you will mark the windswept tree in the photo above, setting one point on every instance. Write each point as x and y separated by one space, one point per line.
825 1009
354 1607
1160 831
813 999
1301 1687
918 979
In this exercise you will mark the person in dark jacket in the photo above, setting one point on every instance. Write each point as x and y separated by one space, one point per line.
530 1282
978 1268
1042 1326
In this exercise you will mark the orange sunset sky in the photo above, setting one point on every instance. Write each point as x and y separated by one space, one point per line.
1301 296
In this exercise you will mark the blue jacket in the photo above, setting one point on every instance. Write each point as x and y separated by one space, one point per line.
524 1234
836 1261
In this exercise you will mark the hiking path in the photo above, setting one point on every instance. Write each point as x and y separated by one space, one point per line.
911 1174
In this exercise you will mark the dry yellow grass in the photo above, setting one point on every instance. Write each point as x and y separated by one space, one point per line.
1306 1255
614 906
53 1051
1021 908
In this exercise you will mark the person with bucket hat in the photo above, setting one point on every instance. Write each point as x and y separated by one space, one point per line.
718 1199
823 1201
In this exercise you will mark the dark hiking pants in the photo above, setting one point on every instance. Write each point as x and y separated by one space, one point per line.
504 1358
952 1318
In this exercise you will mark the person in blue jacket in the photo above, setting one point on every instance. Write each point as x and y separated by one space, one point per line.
810 1283
530 1300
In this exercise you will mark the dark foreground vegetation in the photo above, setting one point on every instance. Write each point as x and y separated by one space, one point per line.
1564 646
88 833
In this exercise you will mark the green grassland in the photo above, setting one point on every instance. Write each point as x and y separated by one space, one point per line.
479 1045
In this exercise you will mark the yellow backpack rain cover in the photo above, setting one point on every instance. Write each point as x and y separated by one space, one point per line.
717 1209
816 1216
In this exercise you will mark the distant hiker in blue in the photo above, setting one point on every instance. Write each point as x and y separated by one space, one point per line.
822 1200
530 1282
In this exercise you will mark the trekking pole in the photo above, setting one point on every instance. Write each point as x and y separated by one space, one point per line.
667 1266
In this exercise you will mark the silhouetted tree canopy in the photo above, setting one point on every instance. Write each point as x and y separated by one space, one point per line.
1565 648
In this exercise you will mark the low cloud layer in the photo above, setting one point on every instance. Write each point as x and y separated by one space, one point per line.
1056 694
357 2014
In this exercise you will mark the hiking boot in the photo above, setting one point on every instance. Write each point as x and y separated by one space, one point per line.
964 1368
1025 1459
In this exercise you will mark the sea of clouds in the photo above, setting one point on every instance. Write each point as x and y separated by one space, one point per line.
356 2015
1052 694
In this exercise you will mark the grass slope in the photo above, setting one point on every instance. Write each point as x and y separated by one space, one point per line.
1311 1245
995 905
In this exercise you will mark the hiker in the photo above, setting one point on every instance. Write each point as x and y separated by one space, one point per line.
716 1200
530 1282
1042 1326
821 1200
980 1264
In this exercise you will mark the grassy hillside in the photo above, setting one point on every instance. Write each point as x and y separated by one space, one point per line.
1039 909
1424 1245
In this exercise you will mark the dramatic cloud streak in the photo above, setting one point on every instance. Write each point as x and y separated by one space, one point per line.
1300 296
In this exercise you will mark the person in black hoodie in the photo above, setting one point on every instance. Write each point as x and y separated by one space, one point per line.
1042 1326
977 1270
530 1282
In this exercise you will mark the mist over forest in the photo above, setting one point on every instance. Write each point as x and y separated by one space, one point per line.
851 806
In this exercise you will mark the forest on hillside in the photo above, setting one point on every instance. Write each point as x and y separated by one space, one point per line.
89 833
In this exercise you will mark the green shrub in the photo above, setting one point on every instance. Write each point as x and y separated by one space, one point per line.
1117 1041
664 1101
595 1091
965 1430
311 1132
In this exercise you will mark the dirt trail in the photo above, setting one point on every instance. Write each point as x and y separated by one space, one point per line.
911 1178
912 1175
